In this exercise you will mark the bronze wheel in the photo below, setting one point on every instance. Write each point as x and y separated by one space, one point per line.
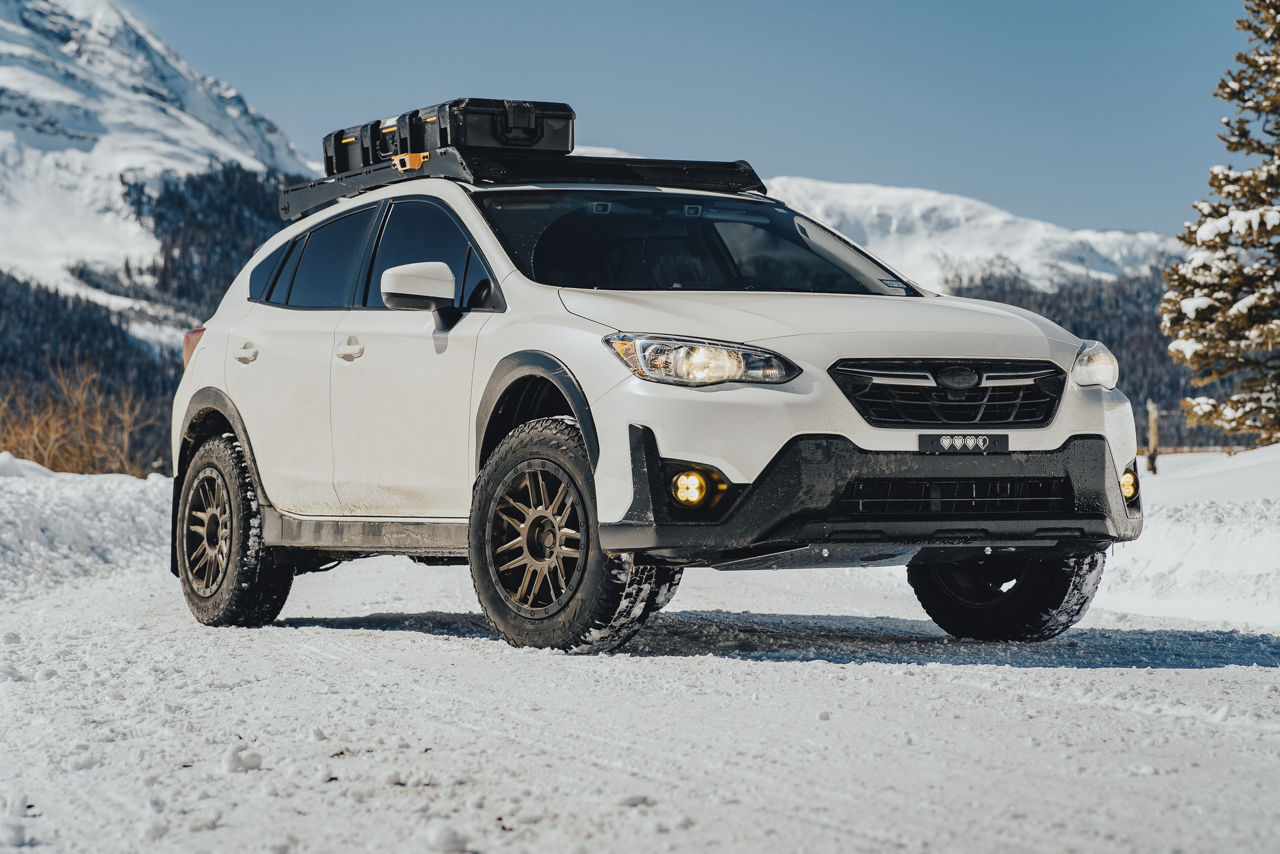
228 576
535 539
539 572
208 532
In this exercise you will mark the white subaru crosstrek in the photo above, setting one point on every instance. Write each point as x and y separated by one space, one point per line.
584 385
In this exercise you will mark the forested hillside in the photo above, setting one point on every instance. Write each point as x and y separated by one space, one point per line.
208 226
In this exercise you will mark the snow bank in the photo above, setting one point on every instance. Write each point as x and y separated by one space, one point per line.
1211 547
59 527
11 466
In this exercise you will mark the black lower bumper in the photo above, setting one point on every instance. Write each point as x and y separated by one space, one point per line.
807 503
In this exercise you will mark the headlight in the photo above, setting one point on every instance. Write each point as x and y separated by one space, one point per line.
691 361
1095 366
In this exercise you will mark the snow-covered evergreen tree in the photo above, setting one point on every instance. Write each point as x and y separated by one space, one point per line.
1223 306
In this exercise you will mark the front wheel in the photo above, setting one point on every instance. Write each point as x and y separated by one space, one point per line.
536 563
1023 597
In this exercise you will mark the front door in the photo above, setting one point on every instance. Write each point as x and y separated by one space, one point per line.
402 382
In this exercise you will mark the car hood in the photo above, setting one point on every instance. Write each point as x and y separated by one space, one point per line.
819 327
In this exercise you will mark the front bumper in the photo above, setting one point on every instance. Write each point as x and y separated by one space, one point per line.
798 512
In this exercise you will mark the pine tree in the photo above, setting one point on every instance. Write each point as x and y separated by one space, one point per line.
1222 309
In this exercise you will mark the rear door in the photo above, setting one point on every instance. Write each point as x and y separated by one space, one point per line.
278 362
402 383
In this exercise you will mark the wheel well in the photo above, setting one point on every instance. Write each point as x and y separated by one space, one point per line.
204 426
525 400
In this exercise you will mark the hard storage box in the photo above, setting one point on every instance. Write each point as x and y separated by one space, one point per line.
467 123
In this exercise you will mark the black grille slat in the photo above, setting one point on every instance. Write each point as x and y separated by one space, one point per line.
907 498
880 391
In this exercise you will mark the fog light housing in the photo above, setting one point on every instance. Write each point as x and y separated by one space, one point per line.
1128 485
689 488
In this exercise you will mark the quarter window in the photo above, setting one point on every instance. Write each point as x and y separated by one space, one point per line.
329 260
478 291
280 291
260 278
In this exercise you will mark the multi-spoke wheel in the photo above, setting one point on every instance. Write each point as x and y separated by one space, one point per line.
1020 596
538 524
208 538
538 570
228 576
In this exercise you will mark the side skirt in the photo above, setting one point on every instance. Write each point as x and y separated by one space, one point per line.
417 537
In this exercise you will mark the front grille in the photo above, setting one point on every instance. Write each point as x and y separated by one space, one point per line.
902 393
902 498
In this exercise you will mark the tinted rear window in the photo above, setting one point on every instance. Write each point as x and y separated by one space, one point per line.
327 268
417 231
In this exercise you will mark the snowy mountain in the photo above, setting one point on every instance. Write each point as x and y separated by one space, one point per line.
932 236
90 99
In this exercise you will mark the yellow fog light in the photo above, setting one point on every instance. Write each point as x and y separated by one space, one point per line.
1128 484
689 488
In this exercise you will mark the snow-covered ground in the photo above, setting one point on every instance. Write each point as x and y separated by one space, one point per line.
815 711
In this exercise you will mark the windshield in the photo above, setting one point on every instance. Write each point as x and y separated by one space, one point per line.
647 241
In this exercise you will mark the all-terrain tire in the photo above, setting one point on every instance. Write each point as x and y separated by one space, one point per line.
233 580
666 579
1019 598
521 519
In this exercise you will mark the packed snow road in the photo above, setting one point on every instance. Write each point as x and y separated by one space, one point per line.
773 712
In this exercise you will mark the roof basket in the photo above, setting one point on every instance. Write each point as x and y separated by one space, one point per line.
485 141
490 167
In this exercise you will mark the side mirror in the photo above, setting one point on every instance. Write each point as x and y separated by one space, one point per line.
428 285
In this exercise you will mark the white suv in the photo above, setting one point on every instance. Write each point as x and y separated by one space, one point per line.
584 385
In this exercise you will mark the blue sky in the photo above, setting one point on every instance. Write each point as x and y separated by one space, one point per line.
1087 114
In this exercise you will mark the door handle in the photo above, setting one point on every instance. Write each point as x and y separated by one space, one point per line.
247 353
351 350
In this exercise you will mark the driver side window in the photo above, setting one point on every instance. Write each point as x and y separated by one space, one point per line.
417 231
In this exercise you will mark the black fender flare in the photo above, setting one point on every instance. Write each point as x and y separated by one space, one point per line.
211 399
535 363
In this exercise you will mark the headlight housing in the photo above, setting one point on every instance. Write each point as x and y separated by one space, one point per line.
1095 366
696 362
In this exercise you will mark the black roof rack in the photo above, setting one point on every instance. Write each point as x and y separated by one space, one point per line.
500 167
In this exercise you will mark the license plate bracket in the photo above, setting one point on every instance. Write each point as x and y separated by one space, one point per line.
964 443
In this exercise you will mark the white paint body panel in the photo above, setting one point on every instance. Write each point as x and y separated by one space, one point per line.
401 429
283 397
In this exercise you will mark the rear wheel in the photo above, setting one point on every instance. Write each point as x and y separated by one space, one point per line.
535 559
1023 596
228 577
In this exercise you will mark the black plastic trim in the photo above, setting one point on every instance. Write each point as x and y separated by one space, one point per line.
791 504
535 363
482 166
